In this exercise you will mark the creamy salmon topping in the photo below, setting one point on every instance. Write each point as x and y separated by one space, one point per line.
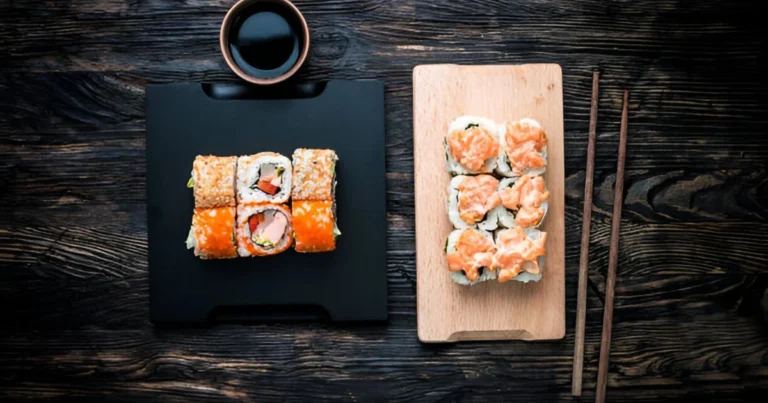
477 196
525 196
523 144
516 253
472 147
473 251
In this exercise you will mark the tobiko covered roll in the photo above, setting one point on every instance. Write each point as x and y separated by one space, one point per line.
314 226
263 178
213 180
471 145
472 201
212 235
263 229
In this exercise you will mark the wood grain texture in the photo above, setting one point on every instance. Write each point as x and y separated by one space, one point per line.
688 322
448 312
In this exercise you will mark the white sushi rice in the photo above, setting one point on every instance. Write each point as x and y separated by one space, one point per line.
491 221
524 277
506 218
459 277
502 167
248 171
461 123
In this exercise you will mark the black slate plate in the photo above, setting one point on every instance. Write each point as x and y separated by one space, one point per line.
184 120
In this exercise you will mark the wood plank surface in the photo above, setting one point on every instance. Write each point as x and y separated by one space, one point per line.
448 312
688 322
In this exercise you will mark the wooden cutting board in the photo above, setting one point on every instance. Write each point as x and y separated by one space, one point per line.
448 312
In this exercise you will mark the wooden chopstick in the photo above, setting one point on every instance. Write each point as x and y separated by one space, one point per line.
613 257
581 303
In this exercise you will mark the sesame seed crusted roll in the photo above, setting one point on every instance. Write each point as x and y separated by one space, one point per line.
213 180
314 226
212 235
314 174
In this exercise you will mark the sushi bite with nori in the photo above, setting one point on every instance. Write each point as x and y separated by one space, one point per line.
263 229
520 254
314 226
213 181
264 178
524 201
314 174
212 235
469 253
471 145
523 148
472 201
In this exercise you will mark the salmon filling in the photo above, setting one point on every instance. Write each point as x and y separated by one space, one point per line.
477 196
472 147
525 197
517 253
269 179
473 253
524 143
267 228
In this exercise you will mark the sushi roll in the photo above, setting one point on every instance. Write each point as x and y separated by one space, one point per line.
314 226
523 148
263 178
471 145
212 235
524 201
520 254
213 181
314 174
472 201
469 253
263 229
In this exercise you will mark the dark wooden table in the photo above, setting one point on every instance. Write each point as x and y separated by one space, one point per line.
694 241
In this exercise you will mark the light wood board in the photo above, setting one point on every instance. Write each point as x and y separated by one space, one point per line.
448 312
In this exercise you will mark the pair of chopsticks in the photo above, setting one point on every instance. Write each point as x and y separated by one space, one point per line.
581 304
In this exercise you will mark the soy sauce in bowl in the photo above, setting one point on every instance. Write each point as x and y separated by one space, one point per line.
266 41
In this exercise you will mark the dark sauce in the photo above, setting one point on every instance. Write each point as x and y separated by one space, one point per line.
264 41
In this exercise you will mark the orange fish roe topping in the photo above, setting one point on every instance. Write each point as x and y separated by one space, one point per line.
215 232
517 253
472 147
473 251
313 174
214 181
477 196
523 144
526 196
313 226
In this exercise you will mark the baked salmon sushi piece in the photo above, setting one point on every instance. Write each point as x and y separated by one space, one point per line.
264 178
212 235
472 202
471 145
524 201
523 148
213 181
263 229
519 254
314 174
469 253
314 226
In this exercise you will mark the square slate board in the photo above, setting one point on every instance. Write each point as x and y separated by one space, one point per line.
349 284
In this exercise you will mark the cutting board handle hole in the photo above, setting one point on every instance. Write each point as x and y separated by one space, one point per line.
232 91
268 313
